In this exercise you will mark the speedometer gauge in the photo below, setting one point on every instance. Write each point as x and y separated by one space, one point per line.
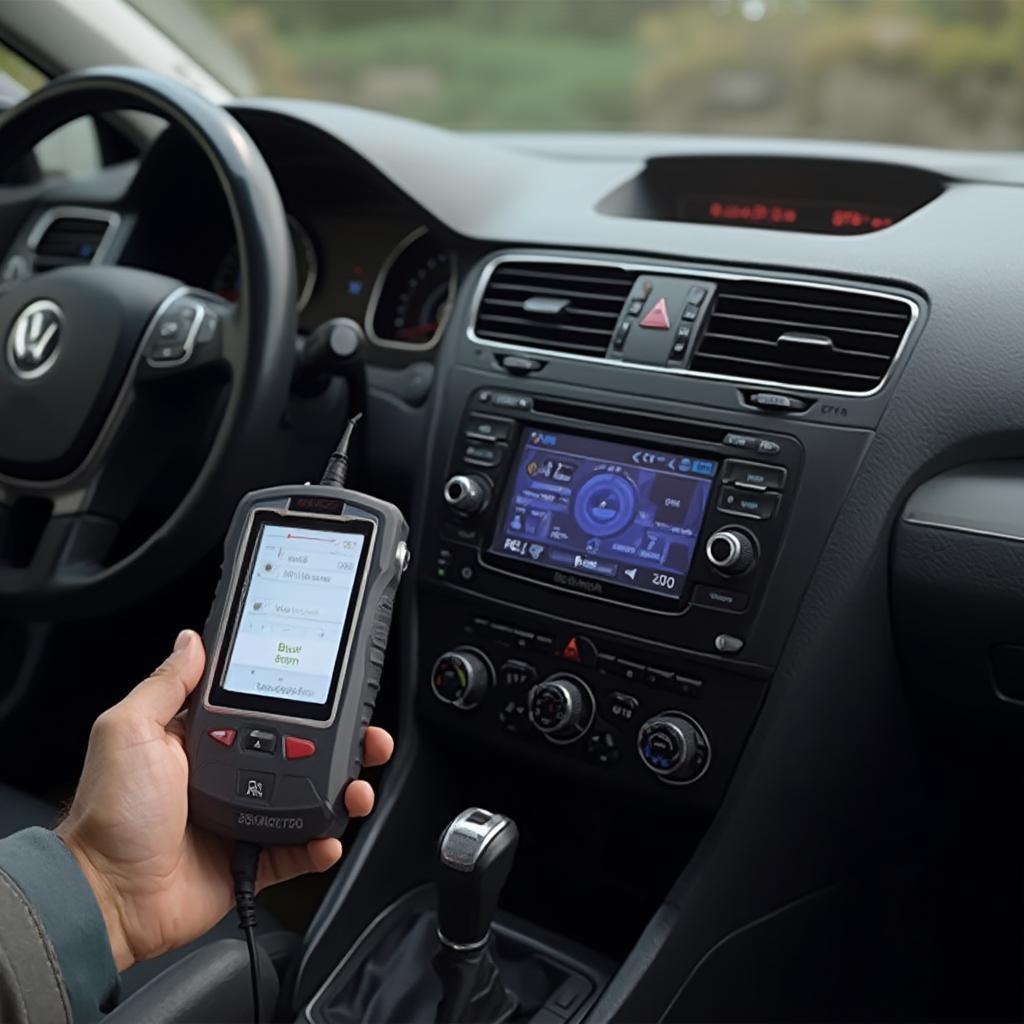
412 294
227 279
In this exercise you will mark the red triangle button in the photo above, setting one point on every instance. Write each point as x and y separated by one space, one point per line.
657 318
571 652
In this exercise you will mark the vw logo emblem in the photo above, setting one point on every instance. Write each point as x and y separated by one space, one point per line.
32 345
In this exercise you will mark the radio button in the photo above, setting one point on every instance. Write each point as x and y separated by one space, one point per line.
687 686
296 748
482 455
746 503
603 746
223 736
659 678
513 717
260 739
631 671
544 643
483 428
517 673
459 532
504 400
255 785
760 445
716 597
622 705
753 475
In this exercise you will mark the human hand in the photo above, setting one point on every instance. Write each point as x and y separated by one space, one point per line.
159 881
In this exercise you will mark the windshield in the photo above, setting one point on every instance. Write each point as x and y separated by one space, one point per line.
932 72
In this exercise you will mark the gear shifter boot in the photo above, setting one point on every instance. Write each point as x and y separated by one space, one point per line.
472 987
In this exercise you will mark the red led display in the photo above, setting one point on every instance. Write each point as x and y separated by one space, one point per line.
793 215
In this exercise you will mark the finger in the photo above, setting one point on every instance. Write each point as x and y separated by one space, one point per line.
377 747
160 697
279 863
359 798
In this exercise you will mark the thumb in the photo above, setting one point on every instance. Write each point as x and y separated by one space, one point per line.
160 697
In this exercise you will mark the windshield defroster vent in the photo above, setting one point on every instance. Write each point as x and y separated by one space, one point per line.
802 335
565 307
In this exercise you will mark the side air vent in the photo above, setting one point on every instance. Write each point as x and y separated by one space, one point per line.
60 241
567 307
803 335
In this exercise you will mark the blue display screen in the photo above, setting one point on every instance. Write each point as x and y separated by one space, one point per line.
614 512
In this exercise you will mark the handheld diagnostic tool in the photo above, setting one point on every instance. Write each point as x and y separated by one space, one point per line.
295 646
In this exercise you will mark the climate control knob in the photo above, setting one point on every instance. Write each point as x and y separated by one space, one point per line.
467 495
674 747
731 550
461 677
561 707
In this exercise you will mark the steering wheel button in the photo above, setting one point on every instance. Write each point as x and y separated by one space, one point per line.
208 328
226 737
296 748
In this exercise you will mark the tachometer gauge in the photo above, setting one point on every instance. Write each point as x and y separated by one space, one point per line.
227 278
411 297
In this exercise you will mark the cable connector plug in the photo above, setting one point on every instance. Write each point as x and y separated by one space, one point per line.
337 465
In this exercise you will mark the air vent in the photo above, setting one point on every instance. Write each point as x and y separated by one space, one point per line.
813 337
567 307
61 241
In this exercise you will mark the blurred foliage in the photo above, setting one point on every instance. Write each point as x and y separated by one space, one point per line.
939 72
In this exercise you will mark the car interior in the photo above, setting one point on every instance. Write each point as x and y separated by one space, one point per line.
716 505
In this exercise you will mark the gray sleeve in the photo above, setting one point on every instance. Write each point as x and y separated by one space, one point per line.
30 983
53 941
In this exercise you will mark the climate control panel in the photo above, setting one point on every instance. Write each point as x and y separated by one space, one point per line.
585 702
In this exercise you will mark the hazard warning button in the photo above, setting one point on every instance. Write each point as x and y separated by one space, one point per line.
580 649
657 316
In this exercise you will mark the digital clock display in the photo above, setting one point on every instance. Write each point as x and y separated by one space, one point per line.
815 215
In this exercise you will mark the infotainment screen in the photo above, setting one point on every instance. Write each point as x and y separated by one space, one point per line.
606 511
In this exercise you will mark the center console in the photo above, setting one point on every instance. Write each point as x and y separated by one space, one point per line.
612 545
580 551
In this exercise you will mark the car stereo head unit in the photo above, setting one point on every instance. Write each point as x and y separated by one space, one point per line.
618 520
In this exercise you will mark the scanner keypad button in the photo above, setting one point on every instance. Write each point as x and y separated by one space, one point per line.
296 747
262 740
255 785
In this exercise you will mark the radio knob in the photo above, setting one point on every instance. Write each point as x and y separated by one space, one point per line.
561 708
731 551
674 747
461 677
467 495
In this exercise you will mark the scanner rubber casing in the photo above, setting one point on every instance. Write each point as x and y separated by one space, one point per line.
306 798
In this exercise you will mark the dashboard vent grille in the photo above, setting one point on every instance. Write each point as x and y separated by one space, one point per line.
69 241
801 335
568 307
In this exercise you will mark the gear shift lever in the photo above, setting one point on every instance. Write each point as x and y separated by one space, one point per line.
475 856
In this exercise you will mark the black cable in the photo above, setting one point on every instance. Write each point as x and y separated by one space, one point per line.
244 864
337 465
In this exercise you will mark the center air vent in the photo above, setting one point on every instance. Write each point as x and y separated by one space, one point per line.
802 335
61 241
566 307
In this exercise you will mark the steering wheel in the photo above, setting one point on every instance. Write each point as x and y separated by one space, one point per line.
88 354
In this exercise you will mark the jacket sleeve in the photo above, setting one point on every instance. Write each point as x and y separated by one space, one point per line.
55 958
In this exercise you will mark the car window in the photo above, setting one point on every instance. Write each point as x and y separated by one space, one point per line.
71 151
905 71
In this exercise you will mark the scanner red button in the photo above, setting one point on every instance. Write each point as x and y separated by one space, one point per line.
295 747
225 736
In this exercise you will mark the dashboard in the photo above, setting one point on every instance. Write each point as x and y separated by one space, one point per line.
691 489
